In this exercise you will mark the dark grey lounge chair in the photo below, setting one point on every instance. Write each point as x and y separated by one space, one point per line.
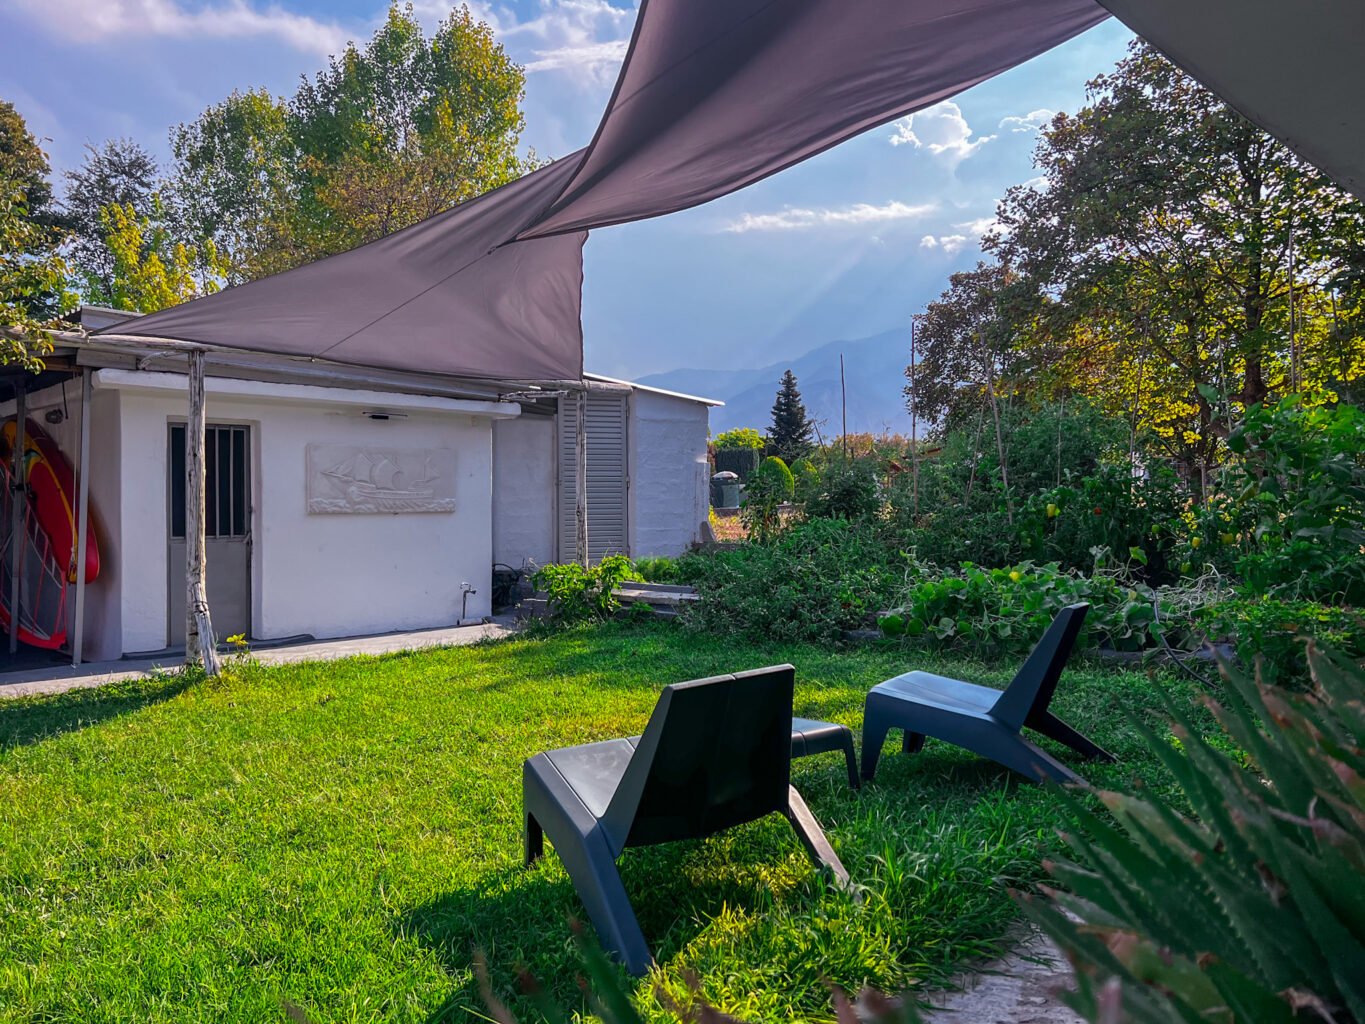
716 753
812 737
981 718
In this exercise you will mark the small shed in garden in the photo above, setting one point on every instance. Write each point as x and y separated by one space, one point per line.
346 501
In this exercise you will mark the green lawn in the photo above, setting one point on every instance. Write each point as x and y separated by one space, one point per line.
341 836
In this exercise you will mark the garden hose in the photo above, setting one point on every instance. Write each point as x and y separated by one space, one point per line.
1161 635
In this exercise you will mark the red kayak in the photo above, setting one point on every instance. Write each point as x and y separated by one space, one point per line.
52 493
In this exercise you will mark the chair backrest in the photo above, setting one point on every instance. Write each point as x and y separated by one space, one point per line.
716 752
1033 687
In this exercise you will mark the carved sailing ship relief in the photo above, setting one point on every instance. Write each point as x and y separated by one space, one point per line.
357 480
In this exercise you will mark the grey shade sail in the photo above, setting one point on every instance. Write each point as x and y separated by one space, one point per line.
715 95
1294 67
442 296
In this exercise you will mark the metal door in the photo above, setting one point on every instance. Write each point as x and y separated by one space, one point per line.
227 529
608 486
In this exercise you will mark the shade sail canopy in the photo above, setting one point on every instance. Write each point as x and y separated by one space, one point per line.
715 95
442 296
1294 67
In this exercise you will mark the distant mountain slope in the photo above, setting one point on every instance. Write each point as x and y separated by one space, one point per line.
874 370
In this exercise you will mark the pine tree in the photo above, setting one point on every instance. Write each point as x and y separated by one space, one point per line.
790 435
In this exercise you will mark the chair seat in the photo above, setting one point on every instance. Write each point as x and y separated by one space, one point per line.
812 737
594 770
954 695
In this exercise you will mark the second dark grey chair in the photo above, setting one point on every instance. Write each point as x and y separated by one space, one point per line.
811 737
981 718
716 753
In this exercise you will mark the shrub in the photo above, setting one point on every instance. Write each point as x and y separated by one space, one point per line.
1110 508
768 489
1250 913
1276 631
575 593
814 580
740 437
845 489
1297 523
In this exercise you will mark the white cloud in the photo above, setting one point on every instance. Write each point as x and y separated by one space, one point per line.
980 226
951 245
585 38
99 20
942 130
797 218
1030 122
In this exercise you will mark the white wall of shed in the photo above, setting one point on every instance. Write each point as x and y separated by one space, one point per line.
669 480
524 490
327 575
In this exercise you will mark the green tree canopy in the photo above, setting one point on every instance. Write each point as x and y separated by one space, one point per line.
120 173
1159 255
386 135
32 273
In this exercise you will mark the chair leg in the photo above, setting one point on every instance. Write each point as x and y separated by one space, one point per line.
1028 759
592 869
874 735
812 837
851 759
533 839
912 742
1054 728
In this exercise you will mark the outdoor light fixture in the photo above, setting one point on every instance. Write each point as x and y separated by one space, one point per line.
383 414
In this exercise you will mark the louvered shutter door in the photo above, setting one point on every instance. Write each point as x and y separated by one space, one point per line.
606 476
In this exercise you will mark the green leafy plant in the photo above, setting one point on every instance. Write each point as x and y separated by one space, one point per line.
1004 611
576 594
1297 525
844 489
1275 631
1252 910
657 570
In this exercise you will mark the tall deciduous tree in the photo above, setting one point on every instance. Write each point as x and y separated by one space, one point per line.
119 173
790 434
386 135
150 268
1162 245
32 273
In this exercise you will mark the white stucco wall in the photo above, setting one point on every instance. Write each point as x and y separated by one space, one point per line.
328 575
524 490
669 498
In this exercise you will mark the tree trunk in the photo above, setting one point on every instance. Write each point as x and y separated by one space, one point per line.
201 647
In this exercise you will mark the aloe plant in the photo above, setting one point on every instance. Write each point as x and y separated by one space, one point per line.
1253 910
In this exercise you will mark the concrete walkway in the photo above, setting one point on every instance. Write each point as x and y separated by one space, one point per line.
59 678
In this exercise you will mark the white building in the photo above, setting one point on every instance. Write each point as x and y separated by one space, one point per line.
372 502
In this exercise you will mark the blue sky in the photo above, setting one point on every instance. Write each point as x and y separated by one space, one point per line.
843 246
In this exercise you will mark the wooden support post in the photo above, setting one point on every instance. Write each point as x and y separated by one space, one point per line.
82 518
201 648
580 487
19 482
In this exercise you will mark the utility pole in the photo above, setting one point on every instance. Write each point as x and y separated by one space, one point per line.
843 403
914 422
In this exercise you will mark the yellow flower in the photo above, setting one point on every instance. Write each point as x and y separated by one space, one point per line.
1016 576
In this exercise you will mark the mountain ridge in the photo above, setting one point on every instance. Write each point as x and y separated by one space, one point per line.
874 371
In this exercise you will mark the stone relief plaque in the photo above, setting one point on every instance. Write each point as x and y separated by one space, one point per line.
350 479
